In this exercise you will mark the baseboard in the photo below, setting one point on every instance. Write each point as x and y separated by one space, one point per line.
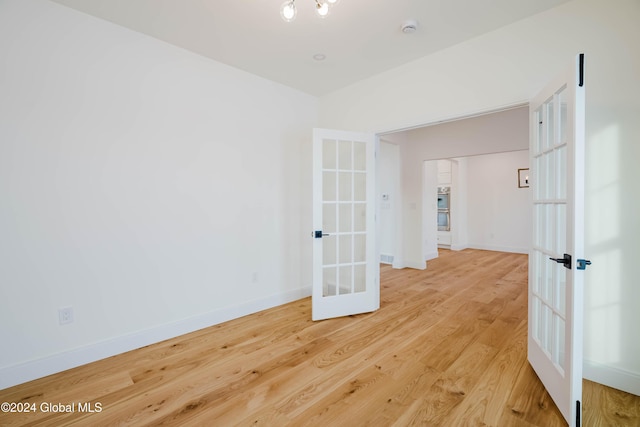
430 255
400 263
28 371
397 263
418 265
459 247
611 377
499 248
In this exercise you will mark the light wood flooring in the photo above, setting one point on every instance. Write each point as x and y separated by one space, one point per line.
446 348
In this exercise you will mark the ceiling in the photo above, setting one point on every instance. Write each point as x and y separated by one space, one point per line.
360 38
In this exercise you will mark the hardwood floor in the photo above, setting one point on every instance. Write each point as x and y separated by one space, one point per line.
446 348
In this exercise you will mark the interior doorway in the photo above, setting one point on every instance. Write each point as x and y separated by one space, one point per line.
482 205
497 141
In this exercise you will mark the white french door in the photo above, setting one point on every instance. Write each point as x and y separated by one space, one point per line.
345 262
555 277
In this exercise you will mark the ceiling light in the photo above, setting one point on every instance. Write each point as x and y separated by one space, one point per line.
288 9
322 8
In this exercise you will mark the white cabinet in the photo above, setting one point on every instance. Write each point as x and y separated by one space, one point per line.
444 172
444 238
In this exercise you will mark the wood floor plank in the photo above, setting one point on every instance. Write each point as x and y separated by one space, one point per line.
529 402
492 391
605 406
447 347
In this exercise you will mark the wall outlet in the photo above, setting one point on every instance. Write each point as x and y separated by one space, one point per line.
65 315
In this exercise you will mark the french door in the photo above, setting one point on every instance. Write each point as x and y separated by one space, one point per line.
555 277
345 262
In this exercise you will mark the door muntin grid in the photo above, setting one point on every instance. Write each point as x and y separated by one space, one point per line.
344 217
550 233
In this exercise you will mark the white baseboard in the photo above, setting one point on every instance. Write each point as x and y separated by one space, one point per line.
611 377
400 263
397 263
418 265
430 255
28 371
499 248
459 247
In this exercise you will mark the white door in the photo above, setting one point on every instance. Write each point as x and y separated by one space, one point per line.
345 267
555 276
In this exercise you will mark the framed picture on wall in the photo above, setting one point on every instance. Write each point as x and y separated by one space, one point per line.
523 178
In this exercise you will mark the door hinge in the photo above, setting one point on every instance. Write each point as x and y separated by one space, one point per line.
578 413
581 77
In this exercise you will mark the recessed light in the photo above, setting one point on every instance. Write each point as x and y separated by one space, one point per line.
319 57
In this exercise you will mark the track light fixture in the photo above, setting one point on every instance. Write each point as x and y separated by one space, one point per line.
288 9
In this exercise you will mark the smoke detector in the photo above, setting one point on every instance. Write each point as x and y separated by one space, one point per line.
410 26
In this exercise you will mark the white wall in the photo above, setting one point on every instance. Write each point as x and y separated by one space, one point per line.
459 204
429 212
389 185
390 177
509 66
151 189
499 213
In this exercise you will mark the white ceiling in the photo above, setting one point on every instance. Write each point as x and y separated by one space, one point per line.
360 38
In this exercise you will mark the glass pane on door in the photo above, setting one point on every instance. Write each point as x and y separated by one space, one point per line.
550 234
344 195
359 278
329 281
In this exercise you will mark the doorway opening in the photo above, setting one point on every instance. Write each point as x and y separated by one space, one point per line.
484 153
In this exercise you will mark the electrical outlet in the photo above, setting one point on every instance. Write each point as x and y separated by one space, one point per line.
65 315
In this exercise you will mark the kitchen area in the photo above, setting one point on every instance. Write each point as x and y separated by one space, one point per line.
445 180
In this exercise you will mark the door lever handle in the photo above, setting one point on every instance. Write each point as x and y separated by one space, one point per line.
565 260
318 234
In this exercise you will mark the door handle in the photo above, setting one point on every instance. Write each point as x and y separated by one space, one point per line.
582 264
318 234
565 260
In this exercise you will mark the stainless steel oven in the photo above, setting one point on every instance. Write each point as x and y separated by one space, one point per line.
444 215
443 198
443 221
